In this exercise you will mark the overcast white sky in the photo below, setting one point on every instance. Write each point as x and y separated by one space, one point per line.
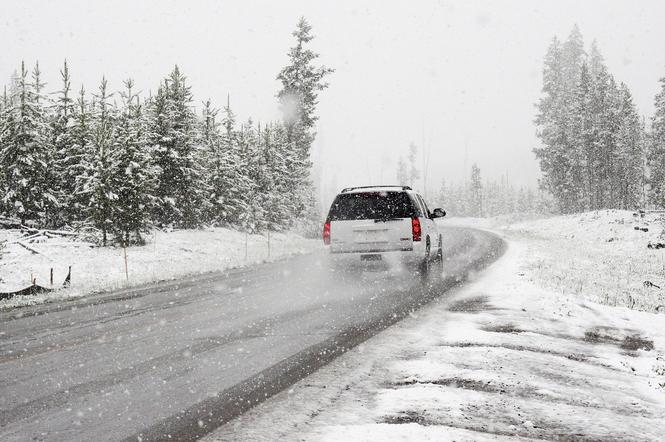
461 75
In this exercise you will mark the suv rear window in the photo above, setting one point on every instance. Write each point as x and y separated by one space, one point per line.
371 205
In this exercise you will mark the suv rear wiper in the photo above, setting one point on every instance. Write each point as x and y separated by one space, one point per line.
383 220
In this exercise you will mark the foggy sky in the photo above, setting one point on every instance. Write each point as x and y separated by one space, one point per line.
460 77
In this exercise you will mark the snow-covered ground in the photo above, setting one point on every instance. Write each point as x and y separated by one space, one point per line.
167 255
522 352
599 256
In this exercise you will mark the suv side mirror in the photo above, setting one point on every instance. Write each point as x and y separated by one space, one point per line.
438 213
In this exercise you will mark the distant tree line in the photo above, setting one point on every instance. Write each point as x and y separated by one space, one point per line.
477 198
124 164
597 152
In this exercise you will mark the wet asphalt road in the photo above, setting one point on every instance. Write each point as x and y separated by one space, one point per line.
173 361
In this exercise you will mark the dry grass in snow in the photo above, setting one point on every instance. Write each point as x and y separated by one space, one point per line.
597 256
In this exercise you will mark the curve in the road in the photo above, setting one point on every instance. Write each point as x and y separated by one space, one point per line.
174 361
206 416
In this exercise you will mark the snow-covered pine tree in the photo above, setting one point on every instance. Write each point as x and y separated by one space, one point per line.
605 106
402 172
252 219
559 159
628 171
133 176
414 173
4 138
262 176
78 157
5 99
301 83
476 191
209 141
572 56
231 186
67 156
443 196
95 184
656 159
551 128
24 155
582 151
521 203
303 202
275 183
181 187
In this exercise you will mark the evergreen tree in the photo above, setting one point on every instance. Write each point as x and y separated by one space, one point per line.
181 189
275 183
582 151
68 158
572 56
414 173
96 184
443 197
4 139
231 186
76 159
402 172
211 159
630 153
476 191
657 150
605 98
24 154
301 83
551 121
133 176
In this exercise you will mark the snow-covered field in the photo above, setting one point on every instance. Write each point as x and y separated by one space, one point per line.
167 255
599 256
524 352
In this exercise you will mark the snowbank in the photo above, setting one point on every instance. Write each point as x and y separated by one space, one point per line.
167 255
599 256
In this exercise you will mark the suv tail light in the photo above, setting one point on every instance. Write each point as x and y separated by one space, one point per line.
326 233
415 229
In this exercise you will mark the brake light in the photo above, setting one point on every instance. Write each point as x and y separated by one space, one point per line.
415 229
326 233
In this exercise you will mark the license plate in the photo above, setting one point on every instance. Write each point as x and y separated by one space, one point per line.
370 257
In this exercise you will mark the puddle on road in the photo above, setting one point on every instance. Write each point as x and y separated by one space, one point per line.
614 336
472 305
502 328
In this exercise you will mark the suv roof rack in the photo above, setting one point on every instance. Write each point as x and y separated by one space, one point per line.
348 189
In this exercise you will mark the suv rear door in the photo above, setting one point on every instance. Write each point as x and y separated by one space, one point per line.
371 222
429 228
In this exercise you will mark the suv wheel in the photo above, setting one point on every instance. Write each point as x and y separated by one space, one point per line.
424 265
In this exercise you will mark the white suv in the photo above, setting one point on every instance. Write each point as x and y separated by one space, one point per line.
381 223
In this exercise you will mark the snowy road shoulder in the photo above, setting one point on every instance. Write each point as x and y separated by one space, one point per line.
499 358
166 256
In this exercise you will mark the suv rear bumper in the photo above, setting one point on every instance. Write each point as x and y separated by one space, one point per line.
334 251
412 255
